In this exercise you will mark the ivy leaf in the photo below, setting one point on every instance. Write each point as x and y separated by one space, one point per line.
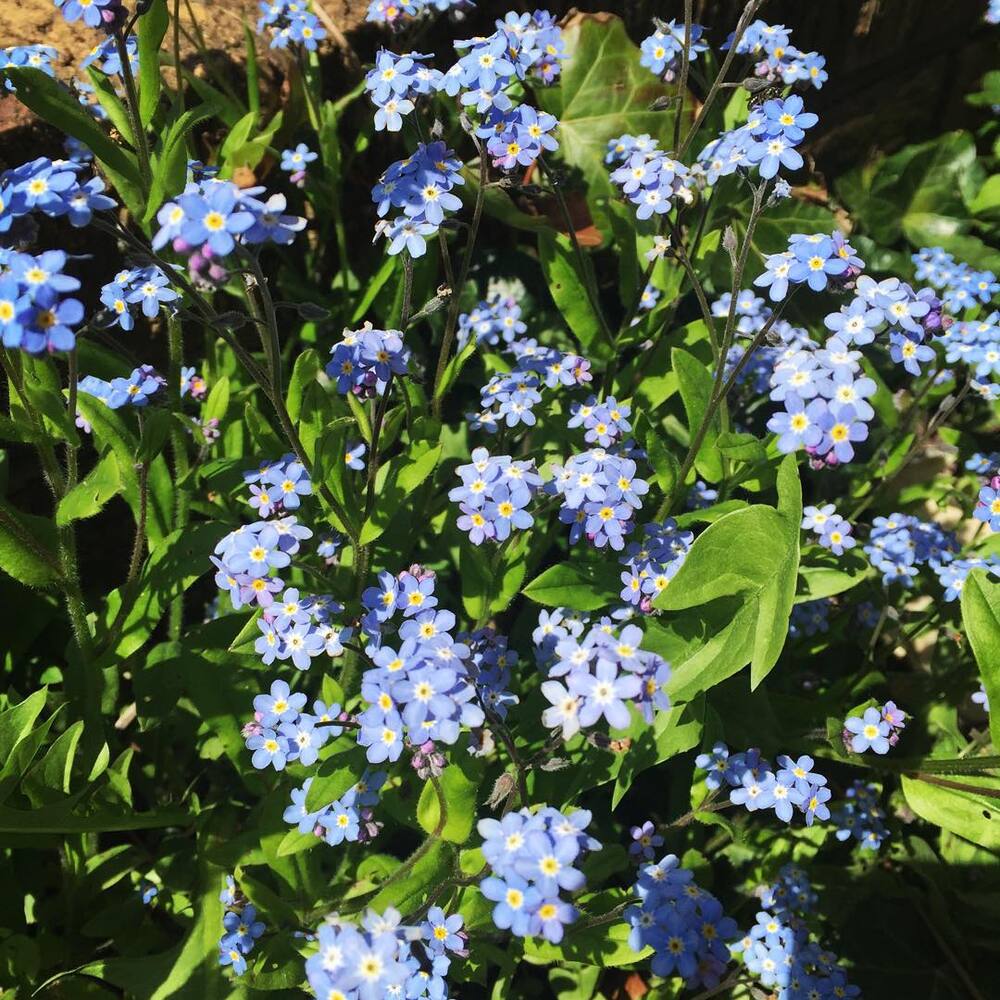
603 92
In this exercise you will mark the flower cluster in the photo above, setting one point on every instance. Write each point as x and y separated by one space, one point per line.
664 48
139 389
133 290
496 318
518 136
812 260
349 819
290 21
281 733
810 618
599 490
277 486
601 672
877 729
961 286
649 178
394 82
36 315
423 688
860 816
531 858
385 958
898 545
52 187
421 187
510 397
364 361
107 58
683 923
494 496
39 57
241 928
392 12
212 216
756 786
105 14
953 574
830 529
781 952
652 563
777 59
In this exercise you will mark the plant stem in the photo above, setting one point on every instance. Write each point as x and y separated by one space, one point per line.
178 448
451 322
685 66
741 26
135 118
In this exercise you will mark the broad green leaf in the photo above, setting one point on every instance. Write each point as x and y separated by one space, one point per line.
459 783
16 721
577 585
53 772
151 28
327 788
567 283
987 200
751 554
603 92
218 400
180 559
408 886
981 620
973 813
741 447
396 480
108 99
492 575
60 819
672 732
90 495
695 383
28 548
307 367
665 466
822 574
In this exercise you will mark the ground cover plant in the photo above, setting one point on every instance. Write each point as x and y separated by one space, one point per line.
500 527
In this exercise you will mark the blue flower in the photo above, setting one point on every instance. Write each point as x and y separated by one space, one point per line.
243 928
868 732
269 750
213 216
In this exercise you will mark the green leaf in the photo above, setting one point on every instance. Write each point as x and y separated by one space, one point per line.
666 468
673 732
396 480
973 813
90 495
151 28
28 548
695 383
431 868
568 287
742 447
576 585
304 372
822 574
111 102
327 788
603 92
16 721
56 767
459 783
981 620
52 102
987 200
492 577
60 819
218 400
752 555
170 159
